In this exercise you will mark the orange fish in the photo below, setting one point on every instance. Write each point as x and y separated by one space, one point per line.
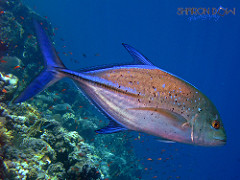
159 159
63 90
16 67
4 91
149 159
2 61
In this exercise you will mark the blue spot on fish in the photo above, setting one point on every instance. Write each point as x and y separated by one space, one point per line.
163 85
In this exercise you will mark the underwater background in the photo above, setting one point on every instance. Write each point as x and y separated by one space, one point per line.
52 136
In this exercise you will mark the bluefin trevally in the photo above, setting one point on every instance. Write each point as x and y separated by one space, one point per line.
139 97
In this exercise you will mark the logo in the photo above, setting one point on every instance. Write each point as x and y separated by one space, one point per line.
205 13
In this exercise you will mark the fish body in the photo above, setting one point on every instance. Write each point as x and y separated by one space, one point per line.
142 98
138 97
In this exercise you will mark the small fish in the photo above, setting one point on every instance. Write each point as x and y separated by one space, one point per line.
149 159
138 97
3 46
16 67
4 91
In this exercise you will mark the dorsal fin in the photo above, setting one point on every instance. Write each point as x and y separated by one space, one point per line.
137 56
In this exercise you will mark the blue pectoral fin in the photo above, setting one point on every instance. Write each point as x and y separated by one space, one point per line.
42 81
112 127
137 56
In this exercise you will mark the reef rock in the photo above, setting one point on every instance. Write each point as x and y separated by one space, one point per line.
8 85
9 64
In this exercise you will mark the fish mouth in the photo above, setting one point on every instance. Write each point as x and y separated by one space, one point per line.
221 140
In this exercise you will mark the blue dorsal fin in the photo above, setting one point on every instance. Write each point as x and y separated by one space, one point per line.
137 56
112 127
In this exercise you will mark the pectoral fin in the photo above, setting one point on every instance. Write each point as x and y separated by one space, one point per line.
175 118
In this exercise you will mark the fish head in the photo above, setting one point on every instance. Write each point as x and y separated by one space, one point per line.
208 128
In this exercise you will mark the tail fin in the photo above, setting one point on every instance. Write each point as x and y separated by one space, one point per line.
50 74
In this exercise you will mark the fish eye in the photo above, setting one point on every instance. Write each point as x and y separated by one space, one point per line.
216 124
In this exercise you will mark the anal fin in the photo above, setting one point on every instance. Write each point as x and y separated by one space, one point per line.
112 127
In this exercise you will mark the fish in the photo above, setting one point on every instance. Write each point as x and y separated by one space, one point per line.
16 67
139 97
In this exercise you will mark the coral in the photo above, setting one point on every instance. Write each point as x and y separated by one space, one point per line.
8 85
83 172
8 63
5 134
62 108
57 170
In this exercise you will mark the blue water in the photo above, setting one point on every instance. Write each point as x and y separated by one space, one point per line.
204 52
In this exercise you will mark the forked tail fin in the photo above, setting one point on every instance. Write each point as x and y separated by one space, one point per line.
50 74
